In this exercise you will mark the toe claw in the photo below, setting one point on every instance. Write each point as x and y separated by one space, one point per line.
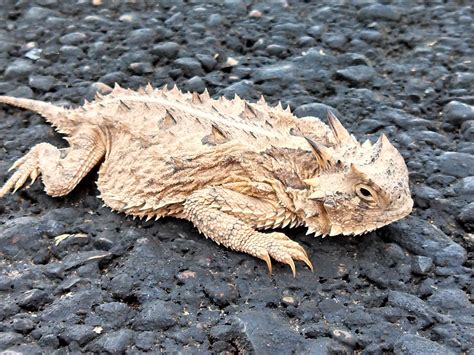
292 266
306 260
267 259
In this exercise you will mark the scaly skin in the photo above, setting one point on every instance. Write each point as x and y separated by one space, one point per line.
231 167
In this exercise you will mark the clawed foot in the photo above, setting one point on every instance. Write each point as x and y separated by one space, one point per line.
283 249
27 167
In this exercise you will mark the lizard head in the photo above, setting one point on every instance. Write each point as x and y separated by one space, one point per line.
358 188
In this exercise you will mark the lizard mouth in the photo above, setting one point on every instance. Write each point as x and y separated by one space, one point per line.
385 218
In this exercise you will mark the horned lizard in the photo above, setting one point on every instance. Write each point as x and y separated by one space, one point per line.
231 167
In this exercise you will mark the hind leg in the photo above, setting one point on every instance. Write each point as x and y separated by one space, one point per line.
60 169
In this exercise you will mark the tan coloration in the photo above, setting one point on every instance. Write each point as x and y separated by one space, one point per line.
229 166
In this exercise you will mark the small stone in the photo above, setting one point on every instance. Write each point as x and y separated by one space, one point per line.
410 303
195 84
23 325
190 66
116 342
113 314
421 265
276 71
344 336
276 49
207 61
244 89
378 12
466 217
410 344
290 28
255 13
235 5
334 41
141 68
20 68
8 339
78 332
422 238
36 13
316 31
357 74
467 131
155 315
130 18
214 20
22 91
456 164
306 41
449 299
221 293
145 340
370 36
425 195
41 82
457 113
71 52
80 258
315 110
141 36
369 126
111 78
73 38
34 299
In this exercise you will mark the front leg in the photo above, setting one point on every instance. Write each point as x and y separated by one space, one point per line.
227 217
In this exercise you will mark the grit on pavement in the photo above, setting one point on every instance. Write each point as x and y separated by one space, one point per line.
76 277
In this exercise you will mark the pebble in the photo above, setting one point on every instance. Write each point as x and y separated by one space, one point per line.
41 82
155 315
422 238
73 38
421 265
195 84
141 36
22 91
207 62
467 131
113 314
80 333
222 294
379 12
244 88
457 113
8 339
410 344
449 299
283 71
456 164
18 69
190 66
466 217
115 342
71 52
357 74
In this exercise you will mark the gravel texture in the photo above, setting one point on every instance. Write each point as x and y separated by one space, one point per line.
76 277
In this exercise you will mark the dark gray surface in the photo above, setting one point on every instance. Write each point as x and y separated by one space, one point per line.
120 285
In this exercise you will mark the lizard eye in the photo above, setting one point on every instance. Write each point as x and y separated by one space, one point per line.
365 193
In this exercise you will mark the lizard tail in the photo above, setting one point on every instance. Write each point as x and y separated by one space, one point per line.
55 115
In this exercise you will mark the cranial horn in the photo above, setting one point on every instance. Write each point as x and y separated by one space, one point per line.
321 153
381 144
340 133
359 173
